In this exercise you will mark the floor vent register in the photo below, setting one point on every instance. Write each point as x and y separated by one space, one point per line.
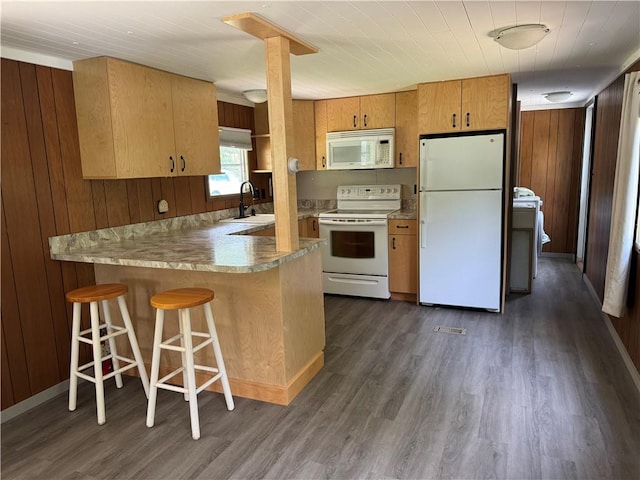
451 330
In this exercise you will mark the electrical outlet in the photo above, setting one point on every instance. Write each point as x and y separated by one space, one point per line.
163 206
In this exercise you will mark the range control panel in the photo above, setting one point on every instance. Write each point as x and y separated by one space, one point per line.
369 192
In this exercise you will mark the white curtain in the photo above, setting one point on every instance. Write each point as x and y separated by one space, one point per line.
625 198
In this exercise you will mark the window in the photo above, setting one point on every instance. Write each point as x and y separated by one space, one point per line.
234 144
233 163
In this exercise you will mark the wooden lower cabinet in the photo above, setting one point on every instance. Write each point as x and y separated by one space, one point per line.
403 259
313 227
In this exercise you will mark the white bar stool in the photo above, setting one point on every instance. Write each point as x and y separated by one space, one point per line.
182 299
92 295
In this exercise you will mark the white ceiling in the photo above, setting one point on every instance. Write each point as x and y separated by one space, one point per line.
364 47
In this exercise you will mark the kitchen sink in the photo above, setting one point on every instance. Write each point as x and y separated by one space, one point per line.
261 218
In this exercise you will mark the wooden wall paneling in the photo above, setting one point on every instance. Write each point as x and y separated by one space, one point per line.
145 198
550 180
231 116
99 203
182 190
79 197
576 173
167 187
539 157
11 326
563 175
117 200
46 216
25 236
526 149
199 191
603 173
156 195
133 200
7 398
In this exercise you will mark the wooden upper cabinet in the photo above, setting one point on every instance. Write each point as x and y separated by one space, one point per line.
439 107
378 111
304 131
136 122
320 111
464 105
360 113
304 140
343 114
406 129
195 126
485 103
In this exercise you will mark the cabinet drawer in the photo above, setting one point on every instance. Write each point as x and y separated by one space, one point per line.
402 227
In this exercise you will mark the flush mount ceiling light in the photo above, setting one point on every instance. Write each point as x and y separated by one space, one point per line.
556 97
522 36
255 96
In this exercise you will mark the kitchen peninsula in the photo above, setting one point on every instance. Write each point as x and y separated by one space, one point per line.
269 306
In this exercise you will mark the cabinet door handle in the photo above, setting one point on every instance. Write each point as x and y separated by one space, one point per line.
313 225
393 243
400 158
354 121
402 226
468 119
365 119
173 164
184 163
324 162
453 120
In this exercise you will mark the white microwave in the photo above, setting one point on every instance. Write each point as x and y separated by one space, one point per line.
360 149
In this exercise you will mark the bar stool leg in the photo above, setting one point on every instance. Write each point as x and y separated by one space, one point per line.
112 343
185 319
97 362
185 380
124 312
75 346
226 389
155 368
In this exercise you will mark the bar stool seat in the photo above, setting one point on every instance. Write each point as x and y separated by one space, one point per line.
183 299
93 295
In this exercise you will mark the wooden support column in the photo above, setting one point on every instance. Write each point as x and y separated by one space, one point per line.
285 198
279 44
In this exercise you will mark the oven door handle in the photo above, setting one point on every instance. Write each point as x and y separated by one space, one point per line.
346 223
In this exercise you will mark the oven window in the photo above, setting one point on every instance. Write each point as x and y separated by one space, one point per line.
352 244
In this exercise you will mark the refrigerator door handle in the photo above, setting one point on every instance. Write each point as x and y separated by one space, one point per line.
423 234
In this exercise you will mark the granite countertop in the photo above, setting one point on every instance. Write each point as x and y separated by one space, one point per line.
197 242
403 214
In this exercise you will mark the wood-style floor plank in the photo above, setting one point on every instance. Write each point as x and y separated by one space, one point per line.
539 392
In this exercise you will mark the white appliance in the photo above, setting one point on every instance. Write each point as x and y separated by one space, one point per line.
533 202
360 149
355 260
460 219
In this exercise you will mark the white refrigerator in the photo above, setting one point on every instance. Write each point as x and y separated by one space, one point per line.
460 220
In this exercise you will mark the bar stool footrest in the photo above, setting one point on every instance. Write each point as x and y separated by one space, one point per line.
162 382
117 331
129 365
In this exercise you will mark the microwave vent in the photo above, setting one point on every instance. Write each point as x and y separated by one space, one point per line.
377 132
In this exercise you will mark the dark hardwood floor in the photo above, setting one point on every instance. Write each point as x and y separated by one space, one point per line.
539 392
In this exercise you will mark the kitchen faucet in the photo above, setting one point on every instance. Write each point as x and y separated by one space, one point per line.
242 208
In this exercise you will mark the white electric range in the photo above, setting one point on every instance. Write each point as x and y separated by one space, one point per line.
355 260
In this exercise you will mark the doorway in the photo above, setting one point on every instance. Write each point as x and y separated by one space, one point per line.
584 188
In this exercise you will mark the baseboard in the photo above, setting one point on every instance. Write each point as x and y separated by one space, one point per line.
32 402
633 371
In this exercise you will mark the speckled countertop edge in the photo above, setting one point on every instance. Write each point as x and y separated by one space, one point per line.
195 242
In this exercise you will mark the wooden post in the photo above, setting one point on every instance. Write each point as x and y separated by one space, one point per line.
279 44
285 201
